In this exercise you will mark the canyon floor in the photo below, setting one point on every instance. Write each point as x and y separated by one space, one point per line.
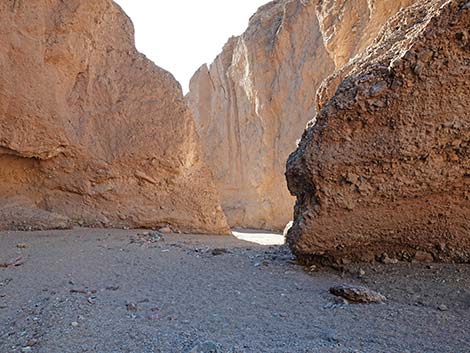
128 291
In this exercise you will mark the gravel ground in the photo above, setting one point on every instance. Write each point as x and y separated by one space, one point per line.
115 291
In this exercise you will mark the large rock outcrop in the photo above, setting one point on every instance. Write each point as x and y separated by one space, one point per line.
91 132
253 102
385 165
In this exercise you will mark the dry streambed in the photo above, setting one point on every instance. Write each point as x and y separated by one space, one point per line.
133 291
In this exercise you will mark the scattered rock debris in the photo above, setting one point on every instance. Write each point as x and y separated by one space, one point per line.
147 238
83 291
13 263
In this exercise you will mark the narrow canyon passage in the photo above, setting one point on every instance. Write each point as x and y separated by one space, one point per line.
309 193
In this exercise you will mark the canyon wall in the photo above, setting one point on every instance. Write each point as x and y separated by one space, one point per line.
253 102
91 132
384 168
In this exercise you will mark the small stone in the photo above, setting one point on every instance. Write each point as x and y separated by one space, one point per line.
423 256
31 342
131 307
443 307
154 237
385 259
26 349
206 347
165 230
357 294
74 324
361 273
313 268
21 245
219 251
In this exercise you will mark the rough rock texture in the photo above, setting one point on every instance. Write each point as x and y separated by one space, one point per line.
357 294
386 163
91 132
253 102
349 26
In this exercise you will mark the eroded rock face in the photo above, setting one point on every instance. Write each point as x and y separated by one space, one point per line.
253 102
349 26
385 166
91 132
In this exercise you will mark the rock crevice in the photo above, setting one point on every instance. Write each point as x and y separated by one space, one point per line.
253 102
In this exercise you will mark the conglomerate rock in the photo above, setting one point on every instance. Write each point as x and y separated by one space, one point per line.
385 165
91 132
253 102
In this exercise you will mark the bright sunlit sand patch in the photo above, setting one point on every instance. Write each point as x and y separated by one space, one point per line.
259 237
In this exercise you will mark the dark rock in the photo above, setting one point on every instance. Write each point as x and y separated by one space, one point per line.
357 294
219 251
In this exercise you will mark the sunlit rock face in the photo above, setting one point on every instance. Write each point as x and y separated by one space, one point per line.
252 103
385 165
91 132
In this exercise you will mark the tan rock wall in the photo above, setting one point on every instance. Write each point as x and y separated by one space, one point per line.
253 102
385 165
91 132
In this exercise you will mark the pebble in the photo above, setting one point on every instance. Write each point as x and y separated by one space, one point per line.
165 230
74 324
385 259
443 307
423 256
131 307
219 251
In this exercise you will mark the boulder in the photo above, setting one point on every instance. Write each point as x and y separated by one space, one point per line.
384 166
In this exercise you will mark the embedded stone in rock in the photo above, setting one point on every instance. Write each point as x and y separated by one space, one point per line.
357 294
91 132
384 166
253 102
